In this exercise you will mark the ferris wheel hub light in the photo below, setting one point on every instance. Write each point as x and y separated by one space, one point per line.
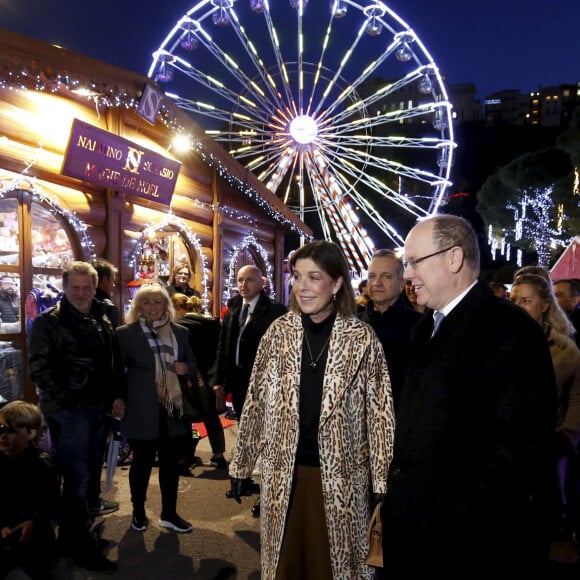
303 129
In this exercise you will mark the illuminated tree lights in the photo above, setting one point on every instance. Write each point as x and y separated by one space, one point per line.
248 242
539 225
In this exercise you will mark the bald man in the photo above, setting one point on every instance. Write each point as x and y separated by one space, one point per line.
247 319
473 426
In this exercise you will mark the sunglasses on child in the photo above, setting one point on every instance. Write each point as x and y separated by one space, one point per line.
7 429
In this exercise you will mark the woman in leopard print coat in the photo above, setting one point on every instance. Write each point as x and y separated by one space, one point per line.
319 400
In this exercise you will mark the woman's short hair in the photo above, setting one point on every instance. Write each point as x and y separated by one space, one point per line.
20 414
329 257
144 292
177 268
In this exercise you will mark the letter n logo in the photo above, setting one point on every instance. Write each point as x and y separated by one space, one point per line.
133 160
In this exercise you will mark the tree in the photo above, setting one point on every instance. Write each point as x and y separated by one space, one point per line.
529 203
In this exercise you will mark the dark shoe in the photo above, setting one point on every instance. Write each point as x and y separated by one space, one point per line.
249 487
175 523
218 462
104 507
256 509
95 561
185 471
139 523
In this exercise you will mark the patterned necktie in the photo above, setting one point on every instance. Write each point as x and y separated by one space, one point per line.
438 317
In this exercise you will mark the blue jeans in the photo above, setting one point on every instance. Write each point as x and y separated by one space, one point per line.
77 437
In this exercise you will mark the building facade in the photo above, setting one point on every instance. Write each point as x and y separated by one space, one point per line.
135 200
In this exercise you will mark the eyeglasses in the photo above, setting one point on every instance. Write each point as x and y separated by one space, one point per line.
6 429
412 262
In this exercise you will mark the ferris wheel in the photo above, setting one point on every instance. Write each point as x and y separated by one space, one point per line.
337 107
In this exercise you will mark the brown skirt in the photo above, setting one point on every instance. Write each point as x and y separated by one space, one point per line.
305 552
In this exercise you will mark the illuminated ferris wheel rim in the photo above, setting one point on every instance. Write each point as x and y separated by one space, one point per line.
334 136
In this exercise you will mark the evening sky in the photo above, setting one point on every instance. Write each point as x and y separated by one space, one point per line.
495 44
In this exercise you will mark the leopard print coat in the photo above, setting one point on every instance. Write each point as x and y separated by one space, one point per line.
355 436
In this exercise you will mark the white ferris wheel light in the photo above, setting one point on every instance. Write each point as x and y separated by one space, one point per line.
303 129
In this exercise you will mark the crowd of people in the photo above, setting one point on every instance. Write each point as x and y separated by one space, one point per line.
452 403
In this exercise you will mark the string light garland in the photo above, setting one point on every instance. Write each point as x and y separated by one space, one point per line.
104 97
174 222
249 240
212 161
23 182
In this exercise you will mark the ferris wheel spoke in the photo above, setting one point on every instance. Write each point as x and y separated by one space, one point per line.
284 76
376 185
256 108
267 80
363 157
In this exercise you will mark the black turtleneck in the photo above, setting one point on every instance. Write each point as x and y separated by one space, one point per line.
311 381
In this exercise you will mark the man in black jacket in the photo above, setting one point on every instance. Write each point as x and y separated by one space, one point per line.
474 426
388 314
73 358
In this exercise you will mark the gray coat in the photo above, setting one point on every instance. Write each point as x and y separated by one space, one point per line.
141 419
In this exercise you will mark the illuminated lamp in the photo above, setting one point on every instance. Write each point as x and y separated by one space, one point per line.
189 40
404 53
374 27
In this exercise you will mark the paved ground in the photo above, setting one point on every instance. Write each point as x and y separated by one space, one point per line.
225 540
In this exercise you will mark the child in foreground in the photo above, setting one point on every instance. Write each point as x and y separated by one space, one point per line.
29 488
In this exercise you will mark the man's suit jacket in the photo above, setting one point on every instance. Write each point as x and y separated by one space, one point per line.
226 373
473 429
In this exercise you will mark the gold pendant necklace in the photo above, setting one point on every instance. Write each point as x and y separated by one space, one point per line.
313 364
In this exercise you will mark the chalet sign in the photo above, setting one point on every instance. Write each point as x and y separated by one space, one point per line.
108 160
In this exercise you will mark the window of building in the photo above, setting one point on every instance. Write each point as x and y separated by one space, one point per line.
31 261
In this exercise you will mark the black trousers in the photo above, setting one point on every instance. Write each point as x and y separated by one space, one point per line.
168 454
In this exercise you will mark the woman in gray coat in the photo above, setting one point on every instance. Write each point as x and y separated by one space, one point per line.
157 358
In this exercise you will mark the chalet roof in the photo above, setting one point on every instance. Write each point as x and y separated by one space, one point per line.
32 64
568 264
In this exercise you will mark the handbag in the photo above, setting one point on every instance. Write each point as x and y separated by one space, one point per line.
375 537
192 404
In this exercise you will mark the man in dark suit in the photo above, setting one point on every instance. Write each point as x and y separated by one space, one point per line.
248 317
387 312
474 424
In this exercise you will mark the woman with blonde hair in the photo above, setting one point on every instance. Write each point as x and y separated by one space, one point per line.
533 292
157 359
